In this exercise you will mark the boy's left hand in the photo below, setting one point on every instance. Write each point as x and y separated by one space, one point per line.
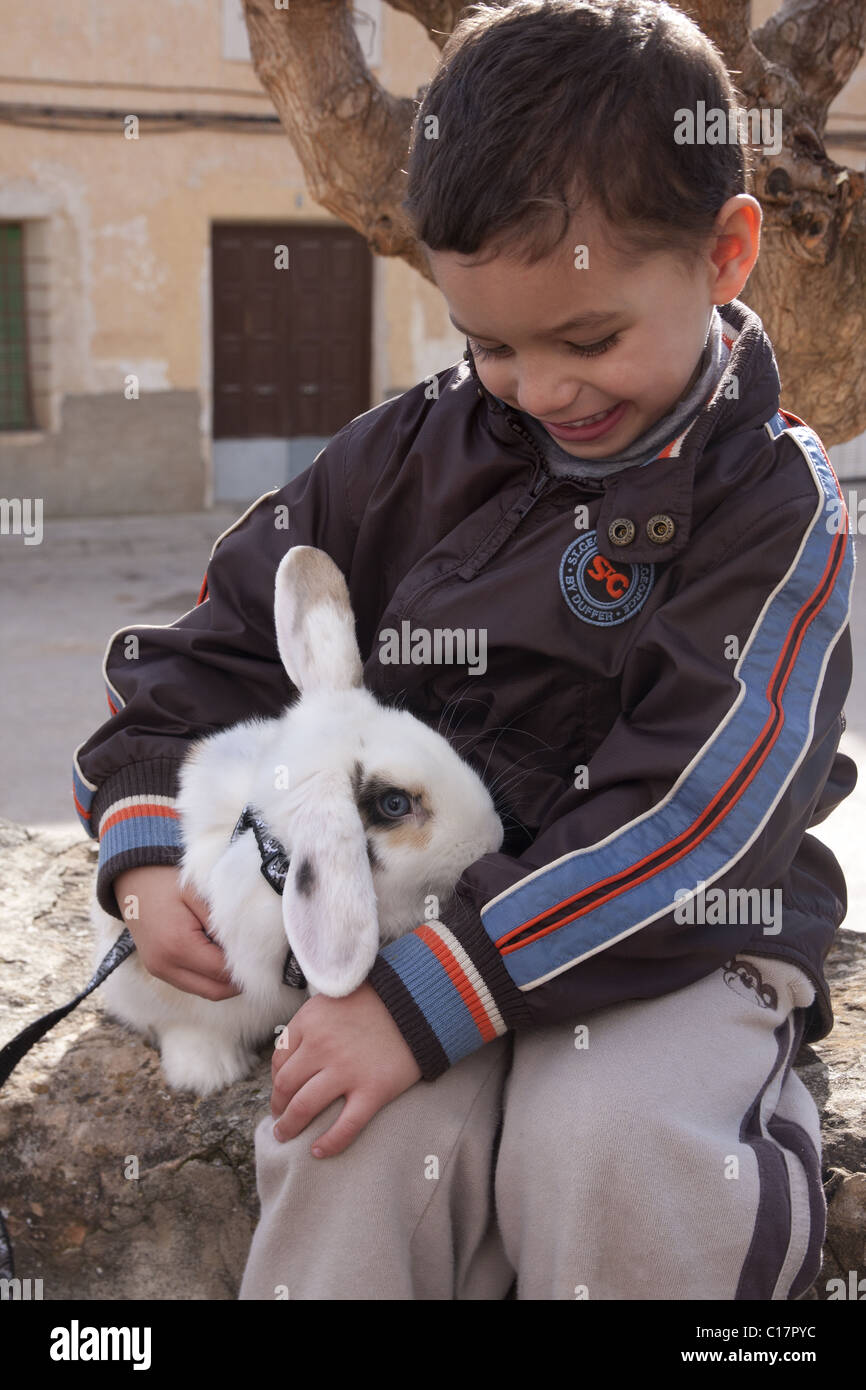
338 1047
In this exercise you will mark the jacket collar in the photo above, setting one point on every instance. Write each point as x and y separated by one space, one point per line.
746 396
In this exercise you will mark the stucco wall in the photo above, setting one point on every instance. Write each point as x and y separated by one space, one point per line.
117 242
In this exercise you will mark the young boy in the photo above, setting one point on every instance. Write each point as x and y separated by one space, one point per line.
607 1017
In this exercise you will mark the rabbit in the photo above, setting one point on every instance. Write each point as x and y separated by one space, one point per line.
375 810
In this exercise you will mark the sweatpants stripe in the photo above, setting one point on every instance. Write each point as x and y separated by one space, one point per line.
794 1138
771 1235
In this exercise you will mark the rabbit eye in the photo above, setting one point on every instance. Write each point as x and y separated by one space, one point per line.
394 804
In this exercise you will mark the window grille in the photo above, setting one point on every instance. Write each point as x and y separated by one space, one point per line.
16 406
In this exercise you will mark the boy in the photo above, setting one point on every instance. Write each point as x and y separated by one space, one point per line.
608 1015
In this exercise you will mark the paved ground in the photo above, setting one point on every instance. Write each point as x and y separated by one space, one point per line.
63 599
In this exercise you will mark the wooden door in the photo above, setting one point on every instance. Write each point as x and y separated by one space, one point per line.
291 346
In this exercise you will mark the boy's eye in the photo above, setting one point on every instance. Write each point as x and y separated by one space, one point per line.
583 350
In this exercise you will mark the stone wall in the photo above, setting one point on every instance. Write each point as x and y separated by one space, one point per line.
112 457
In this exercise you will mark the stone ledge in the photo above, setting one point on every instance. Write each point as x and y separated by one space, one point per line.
90 1098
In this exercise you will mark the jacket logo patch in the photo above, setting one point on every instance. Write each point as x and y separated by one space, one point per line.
598 590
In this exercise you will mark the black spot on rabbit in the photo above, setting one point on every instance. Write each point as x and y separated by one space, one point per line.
305 881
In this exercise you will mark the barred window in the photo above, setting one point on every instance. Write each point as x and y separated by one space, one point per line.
16 406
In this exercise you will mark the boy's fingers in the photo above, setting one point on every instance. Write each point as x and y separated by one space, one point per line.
313 1094
194 964
204 956
202 985
285 1044
206 961
207 958
289 1075
199 908
355 1114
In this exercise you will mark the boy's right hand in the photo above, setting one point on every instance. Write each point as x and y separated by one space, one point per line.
169 932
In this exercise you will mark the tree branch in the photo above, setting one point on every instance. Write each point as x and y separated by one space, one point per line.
350 134
820 43
438 17
726 22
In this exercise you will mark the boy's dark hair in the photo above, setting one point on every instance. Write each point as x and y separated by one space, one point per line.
547 105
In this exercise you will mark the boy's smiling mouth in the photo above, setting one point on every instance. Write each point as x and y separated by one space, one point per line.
582 419
588 426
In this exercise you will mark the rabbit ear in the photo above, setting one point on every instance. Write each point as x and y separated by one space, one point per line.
314 622
329 903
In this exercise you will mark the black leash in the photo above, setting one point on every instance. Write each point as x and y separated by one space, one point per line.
21 1044
274 867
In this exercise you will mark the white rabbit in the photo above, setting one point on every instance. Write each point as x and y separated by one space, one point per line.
375 810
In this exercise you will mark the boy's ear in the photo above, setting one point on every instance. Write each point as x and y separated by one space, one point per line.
314 623
737 244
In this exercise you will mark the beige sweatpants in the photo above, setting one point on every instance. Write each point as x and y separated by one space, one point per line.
658 1149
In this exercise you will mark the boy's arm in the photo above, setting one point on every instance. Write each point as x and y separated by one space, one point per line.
217 664
711 773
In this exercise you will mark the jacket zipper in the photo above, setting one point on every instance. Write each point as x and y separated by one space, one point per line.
515 514
505 528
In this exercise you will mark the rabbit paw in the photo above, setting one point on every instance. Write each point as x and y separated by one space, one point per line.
194 1060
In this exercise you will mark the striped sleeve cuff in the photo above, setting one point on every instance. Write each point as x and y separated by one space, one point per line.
138 823
447 990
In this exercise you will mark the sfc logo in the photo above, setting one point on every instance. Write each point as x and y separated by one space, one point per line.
598 590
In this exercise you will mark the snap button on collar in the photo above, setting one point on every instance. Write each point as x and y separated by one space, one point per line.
621 531
660 528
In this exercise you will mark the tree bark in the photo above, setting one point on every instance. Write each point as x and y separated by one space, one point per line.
350 135
352 138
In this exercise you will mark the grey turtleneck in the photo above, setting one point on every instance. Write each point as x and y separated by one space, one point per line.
648 445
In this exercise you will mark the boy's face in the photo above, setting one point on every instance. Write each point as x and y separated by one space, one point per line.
645 350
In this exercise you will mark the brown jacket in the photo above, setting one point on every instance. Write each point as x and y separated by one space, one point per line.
667 661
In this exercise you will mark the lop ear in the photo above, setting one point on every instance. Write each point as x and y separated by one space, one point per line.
329 903
314 622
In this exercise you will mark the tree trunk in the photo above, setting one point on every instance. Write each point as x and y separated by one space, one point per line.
352 138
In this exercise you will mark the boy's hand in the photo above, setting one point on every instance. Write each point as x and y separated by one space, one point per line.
169 932
338 1047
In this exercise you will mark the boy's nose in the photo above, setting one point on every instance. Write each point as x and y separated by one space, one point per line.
537 395
561 408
